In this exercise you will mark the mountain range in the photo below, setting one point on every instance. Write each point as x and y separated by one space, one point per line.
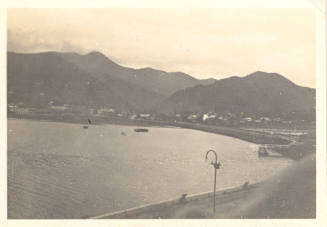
257 94
93 80
158 81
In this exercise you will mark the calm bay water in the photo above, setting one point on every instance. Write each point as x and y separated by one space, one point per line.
60 170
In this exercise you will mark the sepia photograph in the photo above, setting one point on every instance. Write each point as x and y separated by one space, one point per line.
161 113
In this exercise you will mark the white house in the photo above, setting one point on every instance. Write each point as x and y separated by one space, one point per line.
133 117
61 108
145 115
208 116
248 119
193 117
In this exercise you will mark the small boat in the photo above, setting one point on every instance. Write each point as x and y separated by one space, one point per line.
141 130
86 126
262 152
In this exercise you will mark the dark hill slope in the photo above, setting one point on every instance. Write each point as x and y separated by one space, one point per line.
161 82
37 79
260 93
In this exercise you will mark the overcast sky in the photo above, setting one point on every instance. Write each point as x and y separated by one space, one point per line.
201 42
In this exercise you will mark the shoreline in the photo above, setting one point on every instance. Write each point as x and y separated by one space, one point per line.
246 135
287 147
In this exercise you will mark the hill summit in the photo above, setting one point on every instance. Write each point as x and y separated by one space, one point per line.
257 94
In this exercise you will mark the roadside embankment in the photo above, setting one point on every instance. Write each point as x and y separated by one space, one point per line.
174 208
289 194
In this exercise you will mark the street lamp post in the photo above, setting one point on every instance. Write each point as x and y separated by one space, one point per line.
216 165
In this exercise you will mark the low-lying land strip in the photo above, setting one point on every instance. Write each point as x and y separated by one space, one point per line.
250 136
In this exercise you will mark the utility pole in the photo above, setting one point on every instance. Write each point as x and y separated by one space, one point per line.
216 165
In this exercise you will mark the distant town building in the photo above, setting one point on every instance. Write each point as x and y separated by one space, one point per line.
248 119
21 110
205 117
12 108
208 116
133 117
106 111
145 116
193 117
61 108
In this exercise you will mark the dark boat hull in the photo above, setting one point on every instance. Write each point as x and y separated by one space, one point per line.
141 130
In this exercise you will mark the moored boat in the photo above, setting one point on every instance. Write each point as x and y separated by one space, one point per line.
141 130
262 152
